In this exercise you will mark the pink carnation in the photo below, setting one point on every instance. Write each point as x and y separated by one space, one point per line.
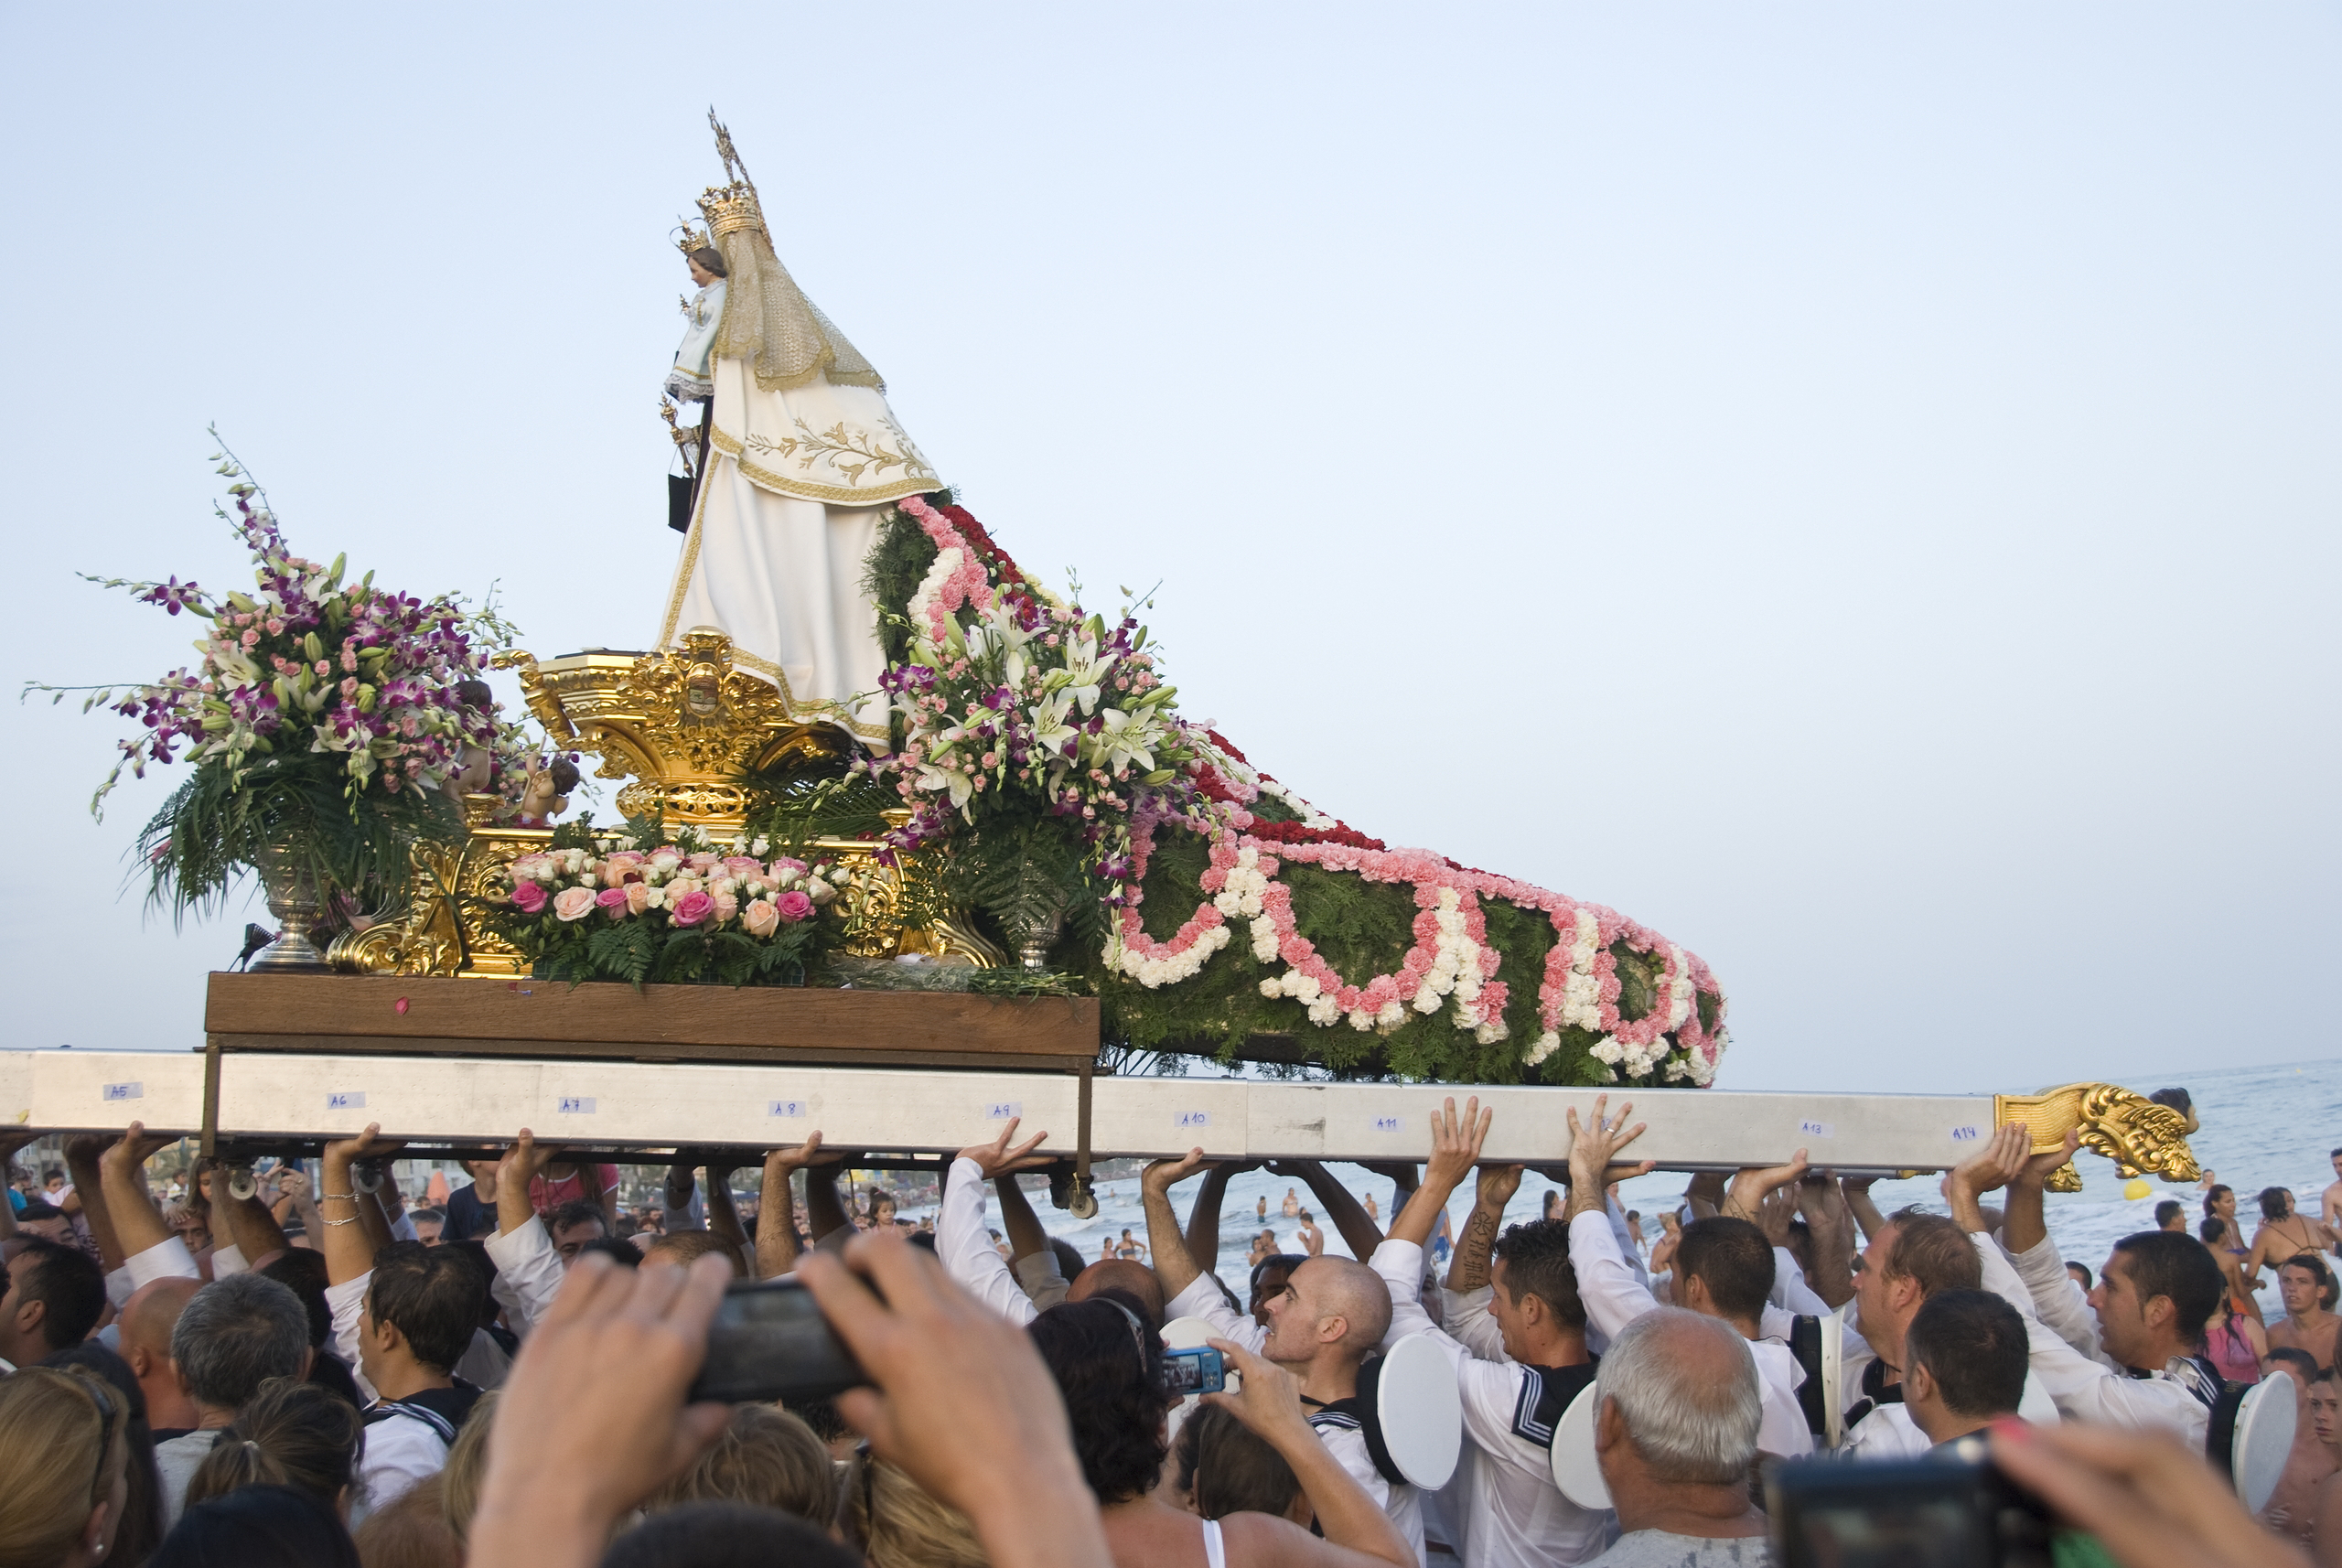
794 906
690 908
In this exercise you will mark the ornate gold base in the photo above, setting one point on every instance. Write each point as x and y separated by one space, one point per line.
2140 1136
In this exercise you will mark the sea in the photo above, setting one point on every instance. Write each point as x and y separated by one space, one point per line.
2263 1126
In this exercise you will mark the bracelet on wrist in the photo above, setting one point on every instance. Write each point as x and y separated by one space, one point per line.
352 1220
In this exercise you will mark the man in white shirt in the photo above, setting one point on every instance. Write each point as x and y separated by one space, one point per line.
1331 1314
1514 1514
1723 1269
965 1248
2137 1362
404 1315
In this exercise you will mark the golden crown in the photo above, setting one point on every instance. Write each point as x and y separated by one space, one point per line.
688 239
731 208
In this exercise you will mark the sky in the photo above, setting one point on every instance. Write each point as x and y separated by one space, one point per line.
1852 487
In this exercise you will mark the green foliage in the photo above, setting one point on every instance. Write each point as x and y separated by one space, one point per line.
214 827
647 952
1362 929
1015 875
893 571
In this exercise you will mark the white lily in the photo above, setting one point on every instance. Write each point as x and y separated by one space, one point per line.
960 786
1126 740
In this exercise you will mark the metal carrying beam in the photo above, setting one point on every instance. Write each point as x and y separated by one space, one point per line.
444 1101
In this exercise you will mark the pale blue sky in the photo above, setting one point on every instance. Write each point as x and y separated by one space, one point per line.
1853 487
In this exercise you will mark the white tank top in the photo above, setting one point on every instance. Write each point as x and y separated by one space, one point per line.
1214 1553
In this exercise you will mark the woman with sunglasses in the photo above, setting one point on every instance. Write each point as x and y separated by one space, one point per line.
64 1468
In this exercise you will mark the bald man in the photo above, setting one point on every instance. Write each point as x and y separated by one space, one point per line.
1331 1314
147 1321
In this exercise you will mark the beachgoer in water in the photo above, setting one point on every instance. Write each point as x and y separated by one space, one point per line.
1292 1203
2309 1324
2235 1344
2170 1215
2329 1208
2219 1235
2283 1233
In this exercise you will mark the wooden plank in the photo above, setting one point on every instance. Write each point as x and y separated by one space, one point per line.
547 1018
637 1051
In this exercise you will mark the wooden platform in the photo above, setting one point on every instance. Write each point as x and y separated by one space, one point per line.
412 1015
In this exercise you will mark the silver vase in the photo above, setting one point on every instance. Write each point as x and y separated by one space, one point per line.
294 903
1037 938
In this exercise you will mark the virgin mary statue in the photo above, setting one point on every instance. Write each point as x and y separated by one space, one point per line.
804 457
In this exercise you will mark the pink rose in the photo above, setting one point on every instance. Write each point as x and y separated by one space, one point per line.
574 903
692 908
794 906
726 906
529 897
701 864
743 866
638 898
785 863
761 918
614 900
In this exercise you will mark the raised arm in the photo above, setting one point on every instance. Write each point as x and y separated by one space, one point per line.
776 1240
1747 1198
294 1187
961 1244
825 1214
136 1223
1857 1191
723 1218
81 1153
1454 1150
681 1183
1359 1234
1202 1234
1830 1223
1027 1235
1165 1244
518 1168
254 1230
349 1253
1468 1269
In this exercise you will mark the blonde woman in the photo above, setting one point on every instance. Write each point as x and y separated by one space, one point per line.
896 1525
64 1468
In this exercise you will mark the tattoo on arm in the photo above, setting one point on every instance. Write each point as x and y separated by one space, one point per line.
1469 1270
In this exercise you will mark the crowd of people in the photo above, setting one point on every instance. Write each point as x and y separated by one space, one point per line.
286 1372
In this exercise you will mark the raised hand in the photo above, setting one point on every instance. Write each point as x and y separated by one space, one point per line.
1744 1198
1455 1143
1161 1176
2001 1161
998 1157
1593 1155
790 1158
367 1146
1498 1184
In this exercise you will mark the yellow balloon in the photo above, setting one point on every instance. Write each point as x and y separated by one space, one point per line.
2136 1187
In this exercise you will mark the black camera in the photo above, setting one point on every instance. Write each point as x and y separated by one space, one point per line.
1951 1509
771 1342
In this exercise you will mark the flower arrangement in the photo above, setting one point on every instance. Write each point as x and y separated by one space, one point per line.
323 721
1033 735
673 913
1226 906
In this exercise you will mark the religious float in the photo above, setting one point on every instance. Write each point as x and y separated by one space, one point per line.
897 816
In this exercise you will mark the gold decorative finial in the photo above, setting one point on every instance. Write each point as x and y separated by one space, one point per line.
729 208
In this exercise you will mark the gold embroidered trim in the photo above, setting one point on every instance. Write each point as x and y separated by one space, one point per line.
916 481
765 668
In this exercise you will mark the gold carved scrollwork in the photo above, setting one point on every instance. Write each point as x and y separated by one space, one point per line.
693 734
440 931
2140 1136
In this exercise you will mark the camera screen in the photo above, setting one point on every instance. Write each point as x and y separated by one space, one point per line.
1197 1371
1919 1533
